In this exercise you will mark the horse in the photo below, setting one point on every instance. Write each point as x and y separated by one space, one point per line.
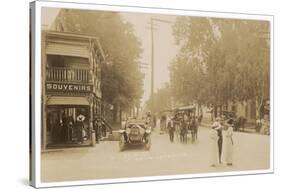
240 123
194 129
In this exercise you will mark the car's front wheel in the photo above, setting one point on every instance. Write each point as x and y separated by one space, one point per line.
147 143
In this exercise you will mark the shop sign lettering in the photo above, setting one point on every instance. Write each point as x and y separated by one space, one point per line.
58 87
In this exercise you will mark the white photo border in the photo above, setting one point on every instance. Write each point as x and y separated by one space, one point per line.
166 11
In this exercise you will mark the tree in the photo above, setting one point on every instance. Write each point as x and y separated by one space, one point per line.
161 100
195 36
220 60
121 79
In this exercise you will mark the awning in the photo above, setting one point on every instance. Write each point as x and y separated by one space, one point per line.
190 107
68 101
67 50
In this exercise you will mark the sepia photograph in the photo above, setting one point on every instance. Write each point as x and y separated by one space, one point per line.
129 94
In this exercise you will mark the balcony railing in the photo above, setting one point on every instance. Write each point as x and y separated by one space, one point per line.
68 75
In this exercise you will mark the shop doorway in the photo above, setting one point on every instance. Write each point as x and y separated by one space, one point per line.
67 124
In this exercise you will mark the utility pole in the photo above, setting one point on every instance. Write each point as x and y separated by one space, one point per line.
141 66
152 27
152 65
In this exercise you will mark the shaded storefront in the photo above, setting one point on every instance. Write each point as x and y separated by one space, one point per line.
71 77
63 124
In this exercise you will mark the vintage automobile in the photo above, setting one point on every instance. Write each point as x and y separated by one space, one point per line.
135 132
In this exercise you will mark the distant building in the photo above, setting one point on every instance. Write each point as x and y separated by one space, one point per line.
251 109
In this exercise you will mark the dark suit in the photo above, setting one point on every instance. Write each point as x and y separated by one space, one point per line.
171 129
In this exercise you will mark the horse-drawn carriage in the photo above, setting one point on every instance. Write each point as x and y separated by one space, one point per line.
239 121
188 123
185 122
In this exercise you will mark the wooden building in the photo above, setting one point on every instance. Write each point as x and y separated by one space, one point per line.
71 87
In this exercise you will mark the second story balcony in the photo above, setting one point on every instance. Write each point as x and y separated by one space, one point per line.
58 74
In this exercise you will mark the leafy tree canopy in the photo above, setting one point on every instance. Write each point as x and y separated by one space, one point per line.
121 79
220 60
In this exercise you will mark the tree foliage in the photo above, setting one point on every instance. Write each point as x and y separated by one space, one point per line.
161 100
220 60
121 79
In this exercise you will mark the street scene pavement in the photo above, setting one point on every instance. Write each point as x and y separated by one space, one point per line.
106 161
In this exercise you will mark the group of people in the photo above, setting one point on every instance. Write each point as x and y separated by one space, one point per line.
217 139
69 129
181 124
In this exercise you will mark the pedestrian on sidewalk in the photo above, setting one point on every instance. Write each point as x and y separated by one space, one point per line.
214 155
81 130
103 128
229 143
70 123
218 127
171 129
98 130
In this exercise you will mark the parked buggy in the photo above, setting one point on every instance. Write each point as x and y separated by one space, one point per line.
239 122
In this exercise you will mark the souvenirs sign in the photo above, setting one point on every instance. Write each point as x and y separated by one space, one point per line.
65 87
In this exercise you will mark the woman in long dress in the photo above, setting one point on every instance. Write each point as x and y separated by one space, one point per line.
214 155
229 144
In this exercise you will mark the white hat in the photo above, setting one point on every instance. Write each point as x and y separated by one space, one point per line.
80 117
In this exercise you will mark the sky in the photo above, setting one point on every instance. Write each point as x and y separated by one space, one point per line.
48 17
164 47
